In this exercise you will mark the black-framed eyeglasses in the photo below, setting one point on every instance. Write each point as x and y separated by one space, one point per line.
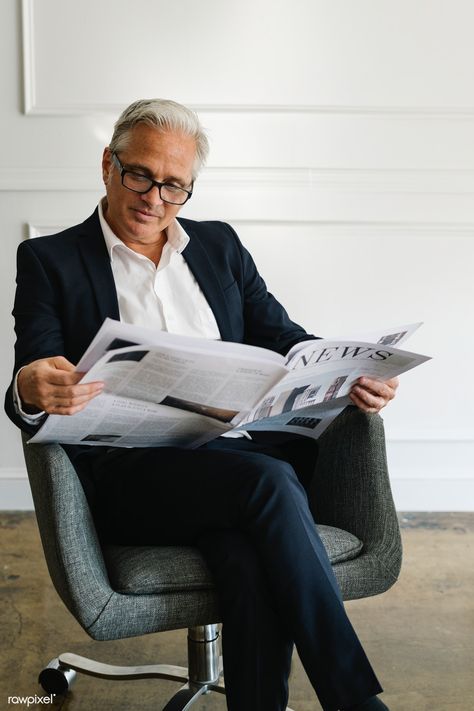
139 183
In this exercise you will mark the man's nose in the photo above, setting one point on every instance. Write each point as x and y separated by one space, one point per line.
152 197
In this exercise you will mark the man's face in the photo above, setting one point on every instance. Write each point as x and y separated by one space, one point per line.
166 157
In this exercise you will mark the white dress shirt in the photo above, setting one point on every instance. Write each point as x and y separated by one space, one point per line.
166 297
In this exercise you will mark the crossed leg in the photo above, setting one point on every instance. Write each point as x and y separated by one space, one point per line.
245 507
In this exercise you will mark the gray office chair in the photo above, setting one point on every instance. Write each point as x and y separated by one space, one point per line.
123 591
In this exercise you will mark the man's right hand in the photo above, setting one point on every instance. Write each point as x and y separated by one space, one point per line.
52 385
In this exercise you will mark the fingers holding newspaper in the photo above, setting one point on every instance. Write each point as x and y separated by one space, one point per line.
52 385
372 395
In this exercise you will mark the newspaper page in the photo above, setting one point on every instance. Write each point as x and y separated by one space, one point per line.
320 377
168 390
387 336
114 421
182 392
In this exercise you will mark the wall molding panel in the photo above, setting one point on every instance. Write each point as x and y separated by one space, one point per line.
337 227
412 200
331 151
13 473
35 106
50 178
28 52
401 181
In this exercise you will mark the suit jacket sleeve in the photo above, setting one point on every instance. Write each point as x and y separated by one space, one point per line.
37 323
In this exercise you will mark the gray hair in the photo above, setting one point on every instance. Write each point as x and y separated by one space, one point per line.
165 115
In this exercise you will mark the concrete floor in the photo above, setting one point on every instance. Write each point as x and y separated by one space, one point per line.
419 635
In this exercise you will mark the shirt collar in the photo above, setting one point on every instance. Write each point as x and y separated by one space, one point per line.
176 237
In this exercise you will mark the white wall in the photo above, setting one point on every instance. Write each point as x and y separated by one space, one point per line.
342 151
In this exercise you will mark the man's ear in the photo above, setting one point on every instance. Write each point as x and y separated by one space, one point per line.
106 165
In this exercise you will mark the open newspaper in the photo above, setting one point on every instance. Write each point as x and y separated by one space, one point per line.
169 390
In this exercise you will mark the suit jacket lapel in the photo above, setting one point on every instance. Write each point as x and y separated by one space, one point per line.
97 264
205 275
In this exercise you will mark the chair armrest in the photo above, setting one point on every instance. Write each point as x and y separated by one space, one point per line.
351 487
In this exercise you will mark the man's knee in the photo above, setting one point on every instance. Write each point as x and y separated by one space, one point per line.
269 475
269 491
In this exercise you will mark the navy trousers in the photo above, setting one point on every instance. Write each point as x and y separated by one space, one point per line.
244 505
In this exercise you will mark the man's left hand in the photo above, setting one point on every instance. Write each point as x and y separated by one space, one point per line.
372 395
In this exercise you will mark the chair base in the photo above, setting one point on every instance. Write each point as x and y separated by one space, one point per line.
60 674
203 675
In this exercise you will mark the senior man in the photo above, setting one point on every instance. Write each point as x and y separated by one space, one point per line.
245 506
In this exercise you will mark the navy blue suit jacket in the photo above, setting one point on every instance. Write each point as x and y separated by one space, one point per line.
65 290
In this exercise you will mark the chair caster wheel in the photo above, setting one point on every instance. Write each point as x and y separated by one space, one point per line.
56 679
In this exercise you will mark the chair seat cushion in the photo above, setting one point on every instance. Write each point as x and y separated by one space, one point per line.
339 544
147 570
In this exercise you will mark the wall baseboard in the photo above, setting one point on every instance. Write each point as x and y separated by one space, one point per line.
432 474
433 494
15 494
